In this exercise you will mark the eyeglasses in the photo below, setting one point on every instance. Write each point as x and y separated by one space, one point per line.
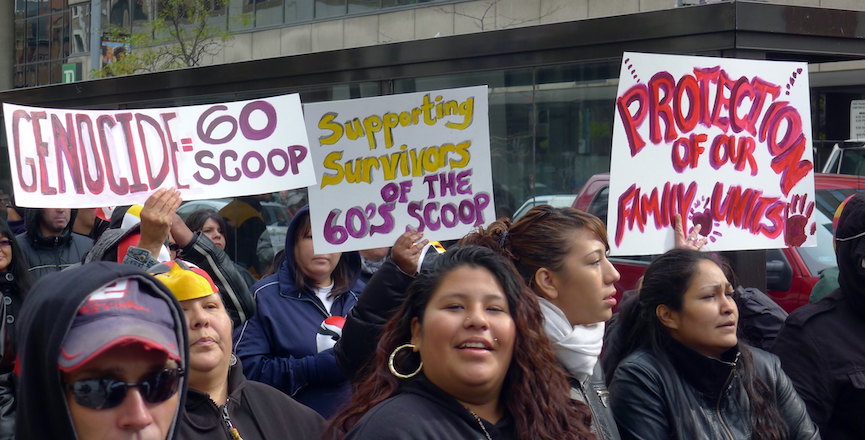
5 242
108 393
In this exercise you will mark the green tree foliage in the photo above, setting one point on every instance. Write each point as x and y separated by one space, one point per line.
183 34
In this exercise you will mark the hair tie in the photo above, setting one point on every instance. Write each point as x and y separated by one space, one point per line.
502 238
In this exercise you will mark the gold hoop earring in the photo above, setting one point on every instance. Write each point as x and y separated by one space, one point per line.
393 369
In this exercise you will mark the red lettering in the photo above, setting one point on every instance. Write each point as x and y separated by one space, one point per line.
154 180
94 185
17 116
660 107
117 186
65 148
631 122
41 152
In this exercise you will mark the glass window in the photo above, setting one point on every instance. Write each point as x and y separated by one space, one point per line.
80 28
42 38
56 72
268 12
391 3
20 78
329 8
20 41
120 14
240 14
573 135
30 75
299 10
142 12
360 6
43 73
57 36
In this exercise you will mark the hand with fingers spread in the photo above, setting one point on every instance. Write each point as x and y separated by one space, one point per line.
694 241
406 250
157 215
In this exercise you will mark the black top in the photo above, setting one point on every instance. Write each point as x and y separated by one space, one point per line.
687 395
256 410
422 411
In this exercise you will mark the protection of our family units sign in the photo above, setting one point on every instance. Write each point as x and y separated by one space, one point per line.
725 143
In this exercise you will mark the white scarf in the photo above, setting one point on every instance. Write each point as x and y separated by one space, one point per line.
577 347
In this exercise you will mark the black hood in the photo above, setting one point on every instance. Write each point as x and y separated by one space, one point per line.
850 251
43 323
286 268
34 234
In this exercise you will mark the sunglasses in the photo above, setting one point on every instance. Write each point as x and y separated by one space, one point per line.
5 242
108 393
173 247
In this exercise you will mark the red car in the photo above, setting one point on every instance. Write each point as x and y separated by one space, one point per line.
790 272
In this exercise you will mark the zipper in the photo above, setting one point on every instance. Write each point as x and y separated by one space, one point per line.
232 431
726 386
317 303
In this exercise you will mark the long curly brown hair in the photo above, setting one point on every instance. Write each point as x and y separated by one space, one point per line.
535 391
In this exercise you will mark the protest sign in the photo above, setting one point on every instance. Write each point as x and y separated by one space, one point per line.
65 158
725 143
419 160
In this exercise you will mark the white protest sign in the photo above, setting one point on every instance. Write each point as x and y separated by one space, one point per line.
419 160
66 158
725 143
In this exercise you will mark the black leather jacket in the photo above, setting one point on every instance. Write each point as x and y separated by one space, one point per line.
593 392
702 398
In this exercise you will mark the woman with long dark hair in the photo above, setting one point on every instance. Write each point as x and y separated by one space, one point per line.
464 358
15 282
210 224
288 344
561 254
679 371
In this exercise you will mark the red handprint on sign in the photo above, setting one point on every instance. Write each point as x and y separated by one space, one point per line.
798 213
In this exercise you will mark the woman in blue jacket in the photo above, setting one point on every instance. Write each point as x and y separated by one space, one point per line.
288 343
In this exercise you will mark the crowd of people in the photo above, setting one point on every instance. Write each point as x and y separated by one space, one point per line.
142 326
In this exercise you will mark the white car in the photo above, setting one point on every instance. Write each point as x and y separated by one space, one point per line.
555 200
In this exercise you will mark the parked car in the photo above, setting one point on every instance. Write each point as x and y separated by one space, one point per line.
557 200
275 215
846 157
790 272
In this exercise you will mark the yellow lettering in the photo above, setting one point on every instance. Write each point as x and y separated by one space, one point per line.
463 151
326 123
371 125
467 110
331 162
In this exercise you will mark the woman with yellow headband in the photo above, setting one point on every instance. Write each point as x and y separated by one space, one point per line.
221 402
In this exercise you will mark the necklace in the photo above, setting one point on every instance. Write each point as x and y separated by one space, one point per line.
481 424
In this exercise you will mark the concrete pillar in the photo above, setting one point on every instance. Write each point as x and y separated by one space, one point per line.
7 44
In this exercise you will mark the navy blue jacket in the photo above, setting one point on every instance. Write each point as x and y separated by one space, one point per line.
278 346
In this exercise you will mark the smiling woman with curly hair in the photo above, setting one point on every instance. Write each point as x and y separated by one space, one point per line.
464 357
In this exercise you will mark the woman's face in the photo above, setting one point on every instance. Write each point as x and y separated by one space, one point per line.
584 285
466 339
317 267
209 333
5 253
709 316
211 229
